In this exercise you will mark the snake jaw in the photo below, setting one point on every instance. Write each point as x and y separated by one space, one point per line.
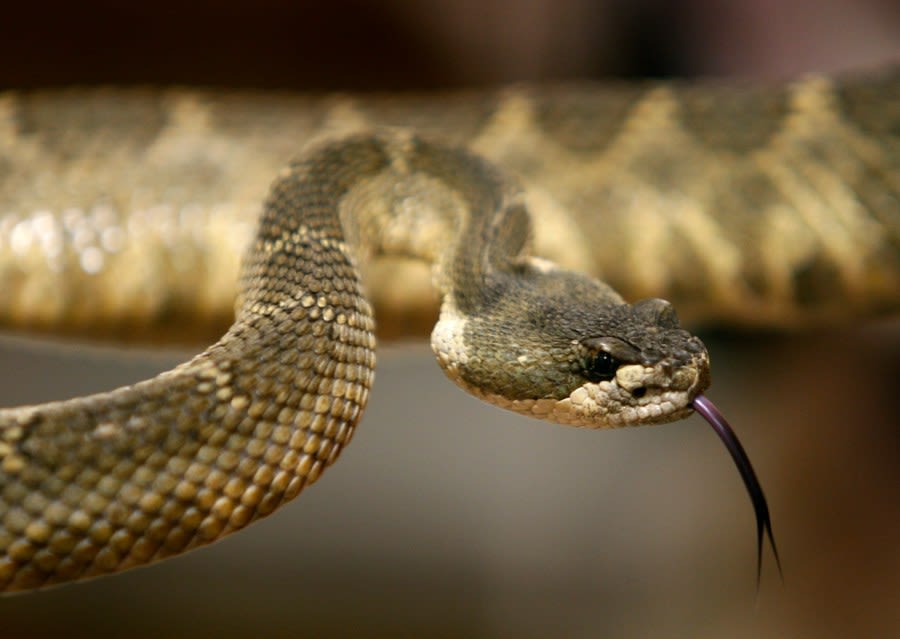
606 405
667 396
637 395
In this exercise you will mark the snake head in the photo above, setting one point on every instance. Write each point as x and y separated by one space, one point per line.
637 366
565 348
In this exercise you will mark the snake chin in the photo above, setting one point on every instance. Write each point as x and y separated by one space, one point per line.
593 406
638 395
607 405
612 404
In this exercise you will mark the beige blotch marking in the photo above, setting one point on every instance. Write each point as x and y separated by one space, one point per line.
343 118
9 134
513 119
831 215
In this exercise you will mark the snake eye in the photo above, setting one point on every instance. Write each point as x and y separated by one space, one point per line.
601 367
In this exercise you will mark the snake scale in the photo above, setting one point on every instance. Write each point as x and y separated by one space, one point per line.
131 209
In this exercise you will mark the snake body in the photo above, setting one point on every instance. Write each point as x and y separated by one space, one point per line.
751 204
99 484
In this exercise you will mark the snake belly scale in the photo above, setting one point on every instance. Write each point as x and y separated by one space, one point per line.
99 484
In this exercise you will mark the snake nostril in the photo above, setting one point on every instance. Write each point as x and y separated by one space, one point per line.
639 392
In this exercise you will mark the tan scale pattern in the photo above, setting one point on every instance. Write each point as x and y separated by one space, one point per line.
100 484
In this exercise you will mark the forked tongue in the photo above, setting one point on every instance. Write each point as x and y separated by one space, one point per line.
711 414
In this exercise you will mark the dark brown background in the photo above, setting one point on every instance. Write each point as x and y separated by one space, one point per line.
450 518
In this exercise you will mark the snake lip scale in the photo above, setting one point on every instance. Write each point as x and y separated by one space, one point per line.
95 485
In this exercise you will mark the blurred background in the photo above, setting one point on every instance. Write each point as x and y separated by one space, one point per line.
446 517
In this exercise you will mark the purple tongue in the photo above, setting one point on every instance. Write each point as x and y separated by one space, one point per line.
711 414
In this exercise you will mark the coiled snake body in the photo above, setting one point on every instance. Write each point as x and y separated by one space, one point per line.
99 484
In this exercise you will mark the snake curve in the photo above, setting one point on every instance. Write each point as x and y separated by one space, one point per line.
99 484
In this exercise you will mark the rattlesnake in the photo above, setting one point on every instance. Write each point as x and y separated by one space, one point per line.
768 205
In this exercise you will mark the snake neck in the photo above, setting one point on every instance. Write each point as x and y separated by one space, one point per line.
517 331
